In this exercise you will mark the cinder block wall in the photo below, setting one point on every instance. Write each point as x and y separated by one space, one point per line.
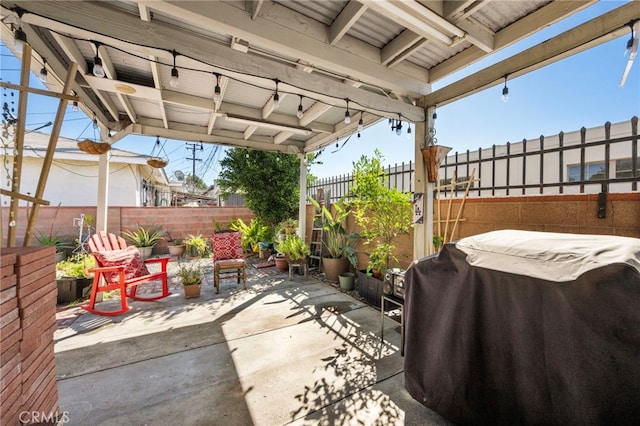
550 213
27 324
179 221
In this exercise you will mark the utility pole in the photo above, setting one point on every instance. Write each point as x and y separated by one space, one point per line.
193 147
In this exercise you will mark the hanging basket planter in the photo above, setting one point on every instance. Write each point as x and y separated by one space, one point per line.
95 148
157 162
432 156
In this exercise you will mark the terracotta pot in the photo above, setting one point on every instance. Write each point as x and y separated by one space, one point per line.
334 267
264 254
282 263
192 291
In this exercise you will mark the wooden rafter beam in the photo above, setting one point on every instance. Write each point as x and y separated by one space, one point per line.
599 30
545 16
95 20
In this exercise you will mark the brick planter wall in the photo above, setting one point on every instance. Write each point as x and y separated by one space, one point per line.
27 323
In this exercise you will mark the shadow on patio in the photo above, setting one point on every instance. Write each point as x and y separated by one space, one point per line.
281 352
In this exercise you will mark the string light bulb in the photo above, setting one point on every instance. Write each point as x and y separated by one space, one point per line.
409 131
98 70
217 92
276 96
43 76
347 115
19 40
74 106
399 125
19 36
173 81
360 124
630 43
505 91
434 116
300 112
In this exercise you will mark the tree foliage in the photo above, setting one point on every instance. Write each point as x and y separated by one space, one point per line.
382 213
195 182
269 182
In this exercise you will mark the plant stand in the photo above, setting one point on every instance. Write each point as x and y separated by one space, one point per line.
300 266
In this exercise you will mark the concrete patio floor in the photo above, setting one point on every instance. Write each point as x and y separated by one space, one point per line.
281 352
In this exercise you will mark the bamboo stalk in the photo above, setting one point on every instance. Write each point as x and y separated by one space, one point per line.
446 227
466 193
19 146
51 148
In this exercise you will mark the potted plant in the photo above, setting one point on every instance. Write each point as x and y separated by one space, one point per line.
175 245
294 248
58 243
287 227
265 250
340 245
252 234
196 245
191 275
144 238
73 277
347 280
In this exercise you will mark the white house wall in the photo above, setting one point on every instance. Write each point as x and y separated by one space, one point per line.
75 183
620 150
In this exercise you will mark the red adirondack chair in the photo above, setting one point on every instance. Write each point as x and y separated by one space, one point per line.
120 267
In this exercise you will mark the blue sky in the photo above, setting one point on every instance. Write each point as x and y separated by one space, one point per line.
580 91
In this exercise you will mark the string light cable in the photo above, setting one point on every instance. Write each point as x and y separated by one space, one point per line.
378 112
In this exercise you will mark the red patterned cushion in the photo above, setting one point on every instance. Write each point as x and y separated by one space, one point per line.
227 245
130 258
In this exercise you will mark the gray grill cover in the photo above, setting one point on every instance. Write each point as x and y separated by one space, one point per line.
488 346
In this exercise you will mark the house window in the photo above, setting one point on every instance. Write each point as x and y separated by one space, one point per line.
624 168
592 171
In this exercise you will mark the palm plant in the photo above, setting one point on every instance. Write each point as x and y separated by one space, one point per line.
252 234
144 237
196 245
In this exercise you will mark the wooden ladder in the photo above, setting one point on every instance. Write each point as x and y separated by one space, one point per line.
317 237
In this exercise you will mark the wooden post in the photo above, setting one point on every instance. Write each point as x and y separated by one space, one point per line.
302 202
48 158
420 230
19 146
